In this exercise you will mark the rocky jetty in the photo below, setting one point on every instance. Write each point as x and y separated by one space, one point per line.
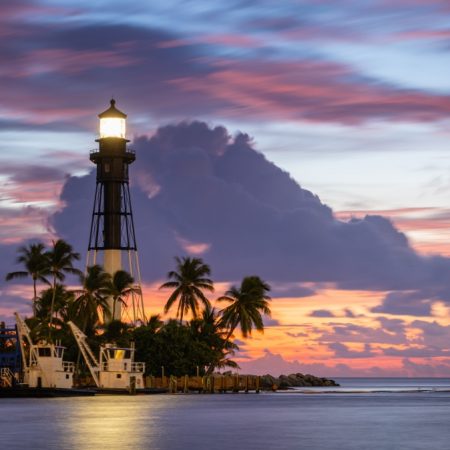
294 380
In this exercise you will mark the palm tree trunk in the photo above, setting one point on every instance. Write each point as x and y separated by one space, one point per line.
34 298
52 307
212 366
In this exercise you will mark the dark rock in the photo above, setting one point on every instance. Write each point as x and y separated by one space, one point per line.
294 380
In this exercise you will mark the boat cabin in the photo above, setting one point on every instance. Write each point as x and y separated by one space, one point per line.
46 367
118 369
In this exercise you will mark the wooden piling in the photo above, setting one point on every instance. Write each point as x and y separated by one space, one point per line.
206 384
236 383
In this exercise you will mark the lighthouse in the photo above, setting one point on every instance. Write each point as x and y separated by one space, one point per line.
112 239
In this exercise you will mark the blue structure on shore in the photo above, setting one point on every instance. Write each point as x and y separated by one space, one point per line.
9 348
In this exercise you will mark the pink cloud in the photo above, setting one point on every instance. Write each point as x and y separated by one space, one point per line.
275 364
310 90
71 61
23 223
425 34
194 248
427 227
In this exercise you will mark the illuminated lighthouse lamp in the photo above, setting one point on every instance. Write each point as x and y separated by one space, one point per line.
112 123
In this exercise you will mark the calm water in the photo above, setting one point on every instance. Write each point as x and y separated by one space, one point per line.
372 420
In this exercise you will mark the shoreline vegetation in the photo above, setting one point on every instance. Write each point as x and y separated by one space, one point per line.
201 346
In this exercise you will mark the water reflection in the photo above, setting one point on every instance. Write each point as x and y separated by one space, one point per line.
111 422
291 421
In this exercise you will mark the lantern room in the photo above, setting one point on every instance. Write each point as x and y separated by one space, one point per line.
112 122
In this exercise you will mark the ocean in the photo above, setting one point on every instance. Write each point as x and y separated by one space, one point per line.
363 414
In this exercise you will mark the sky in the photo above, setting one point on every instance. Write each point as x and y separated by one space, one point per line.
302 141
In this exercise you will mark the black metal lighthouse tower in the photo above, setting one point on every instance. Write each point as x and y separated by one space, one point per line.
112 237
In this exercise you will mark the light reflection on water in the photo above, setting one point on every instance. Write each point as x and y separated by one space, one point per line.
413 421
110 422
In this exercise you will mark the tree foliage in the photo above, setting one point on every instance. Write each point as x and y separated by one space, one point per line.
35 262
188 282
247 303
182 347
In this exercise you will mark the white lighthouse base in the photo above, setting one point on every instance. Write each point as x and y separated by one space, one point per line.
112 263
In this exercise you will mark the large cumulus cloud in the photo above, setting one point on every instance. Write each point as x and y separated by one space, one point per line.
196 189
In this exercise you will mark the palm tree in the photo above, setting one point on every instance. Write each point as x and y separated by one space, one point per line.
92 298
154 323
60 260
210 328
119 288
247 302
118 332
188 280
62 299
34 260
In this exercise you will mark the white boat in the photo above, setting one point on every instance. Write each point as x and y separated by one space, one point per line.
115 368
43 363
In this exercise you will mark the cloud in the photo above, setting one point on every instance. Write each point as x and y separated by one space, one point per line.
276 365
412 303
296 335
270 322
349 313
429 368
195 80
287 289
93 59
342 351
321 313
193 183
432 334
16 225
311 90
355 333
14 295
392 325
26 173
416 352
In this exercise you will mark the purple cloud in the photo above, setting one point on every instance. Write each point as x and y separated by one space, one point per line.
342 351
195 184
321 313
350 332
275 364
187 80
412 303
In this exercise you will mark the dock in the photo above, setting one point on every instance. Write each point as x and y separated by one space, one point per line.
208 384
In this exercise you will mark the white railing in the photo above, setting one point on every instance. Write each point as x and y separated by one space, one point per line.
138 367
68 366
125 367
